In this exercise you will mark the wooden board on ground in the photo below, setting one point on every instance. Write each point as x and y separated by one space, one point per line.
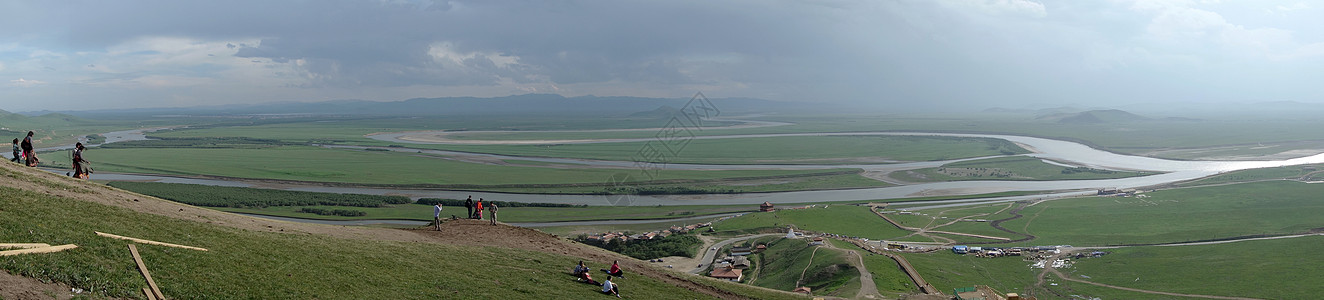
150 242
22 245
38 250
150 296
143 267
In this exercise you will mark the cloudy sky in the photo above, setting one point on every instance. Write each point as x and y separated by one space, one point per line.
74 55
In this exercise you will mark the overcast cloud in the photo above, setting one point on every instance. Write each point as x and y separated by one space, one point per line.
74 55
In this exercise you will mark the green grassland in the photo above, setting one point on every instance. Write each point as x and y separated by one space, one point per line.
887 274
509 214
244 264
776 183
785 260
1272 207
773 150
1009 168
849 220
302 163
923 218
328 129
947 271
1276 173
1266 269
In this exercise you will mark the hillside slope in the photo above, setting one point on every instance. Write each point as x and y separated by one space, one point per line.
259 258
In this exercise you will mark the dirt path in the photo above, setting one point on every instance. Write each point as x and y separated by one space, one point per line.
23 288
806 270
868 289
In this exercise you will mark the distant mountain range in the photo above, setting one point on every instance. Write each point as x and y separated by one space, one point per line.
528 104
1070 115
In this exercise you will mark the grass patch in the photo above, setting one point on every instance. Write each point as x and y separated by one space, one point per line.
301 163
947 271
887 274
849 220
243 263
1242 269
1271 207
243 197
1010 168
762 150
1287 172
786 260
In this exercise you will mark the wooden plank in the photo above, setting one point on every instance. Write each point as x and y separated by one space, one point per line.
150 242
150 296
38 250
23 245
142 267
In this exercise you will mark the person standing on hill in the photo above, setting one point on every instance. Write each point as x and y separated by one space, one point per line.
469 206
27 150
478 209
80 165
436 216
492 208
18 152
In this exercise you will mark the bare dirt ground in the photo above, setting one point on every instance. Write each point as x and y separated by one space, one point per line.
457 232
23 288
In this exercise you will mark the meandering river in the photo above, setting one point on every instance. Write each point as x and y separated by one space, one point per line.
1062 151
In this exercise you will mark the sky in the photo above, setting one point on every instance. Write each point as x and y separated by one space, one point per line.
880 54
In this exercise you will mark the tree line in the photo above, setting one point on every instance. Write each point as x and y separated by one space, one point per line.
457 202
242 197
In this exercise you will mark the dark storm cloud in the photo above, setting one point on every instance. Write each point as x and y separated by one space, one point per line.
884 53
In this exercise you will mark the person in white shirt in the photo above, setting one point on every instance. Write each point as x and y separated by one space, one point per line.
436 216
610 288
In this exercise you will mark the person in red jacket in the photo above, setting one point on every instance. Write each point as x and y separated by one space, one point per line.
478 211
616 269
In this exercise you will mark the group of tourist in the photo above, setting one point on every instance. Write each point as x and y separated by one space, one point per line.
24 153
582 274
474 208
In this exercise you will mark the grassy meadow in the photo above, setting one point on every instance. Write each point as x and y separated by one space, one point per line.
824 270
243 264
1266 269
315 164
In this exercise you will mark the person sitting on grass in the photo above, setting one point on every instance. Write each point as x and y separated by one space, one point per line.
616 269
586 277
610 288
580 269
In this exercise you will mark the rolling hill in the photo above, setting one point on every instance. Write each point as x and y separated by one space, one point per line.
1094 117
260 258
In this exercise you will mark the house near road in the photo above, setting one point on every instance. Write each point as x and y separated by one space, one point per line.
727 273
818 241
741 251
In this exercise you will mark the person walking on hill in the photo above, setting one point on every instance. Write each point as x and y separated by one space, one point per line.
469 206
18 152
436 216
80 165
31 159
492 207
479 209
